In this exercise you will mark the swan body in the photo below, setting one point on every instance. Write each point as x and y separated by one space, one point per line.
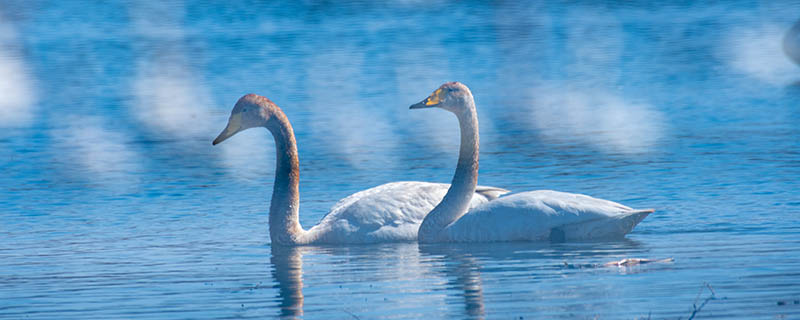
791 43
387 213
544 215
527 216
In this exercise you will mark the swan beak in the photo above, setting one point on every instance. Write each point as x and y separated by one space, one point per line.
420 105
234 126
432 101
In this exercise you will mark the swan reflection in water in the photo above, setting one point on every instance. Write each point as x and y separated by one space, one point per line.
458 267
287 271
462 270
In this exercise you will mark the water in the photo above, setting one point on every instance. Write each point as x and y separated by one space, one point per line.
114 204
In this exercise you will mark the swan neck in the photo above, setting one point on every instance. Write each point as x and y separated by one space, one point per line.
456 202
284 222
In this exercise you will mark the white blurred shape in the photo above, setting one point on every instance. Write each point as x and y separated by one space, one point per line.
436 128
595 40
358 132
758 53
168 100
158 19
96 149
249 155
16 88
171 101
417 74
607 122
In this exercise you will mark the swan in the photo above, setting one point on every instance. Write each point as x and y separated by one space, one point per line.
526 216
387 213
791 43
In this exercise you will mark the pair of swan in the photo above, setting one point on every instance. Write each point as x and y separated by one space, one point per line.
423 211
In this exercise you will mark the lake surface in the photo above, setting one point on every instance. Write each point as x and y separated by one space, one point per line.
114 204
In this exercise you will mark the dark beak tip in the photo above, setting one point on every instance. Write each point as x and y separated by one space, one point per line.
420 105
217 141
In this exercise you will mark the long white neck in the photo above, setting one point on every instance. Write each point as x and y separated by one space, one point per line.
456 202
284 222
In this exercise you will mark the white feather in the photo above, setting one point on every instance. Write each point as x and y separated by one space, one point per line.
543 216
390 212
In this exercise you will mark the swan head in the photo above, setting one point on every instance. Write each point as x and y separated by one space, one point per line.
250 111
451 96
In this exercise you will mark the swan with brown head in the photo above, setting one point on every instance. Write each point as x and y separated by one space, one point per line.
542 215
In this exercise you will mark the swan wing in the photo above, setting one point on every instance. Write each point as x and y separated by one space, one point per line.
389 212
490 193
545 215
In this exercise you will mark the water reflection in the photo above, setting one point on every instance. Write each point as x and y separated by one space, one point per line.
287 271
463 274
479 273
461 269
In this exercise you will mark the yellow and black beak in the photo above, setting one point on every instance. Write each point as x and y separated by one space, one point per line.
234 126
432 101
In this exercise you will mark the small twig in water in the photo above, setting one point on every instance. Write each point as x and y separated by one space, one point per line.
351 314
711 297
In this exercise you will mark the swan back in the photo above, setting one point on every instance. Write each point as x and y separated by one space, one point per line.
545 215
387 213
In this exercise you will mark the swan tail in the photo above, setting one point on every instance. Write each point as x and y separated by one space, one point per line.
628 221
637 216
616 227
490 193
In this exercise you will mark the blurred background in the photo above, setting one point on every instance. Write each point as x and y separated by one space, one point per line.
108 110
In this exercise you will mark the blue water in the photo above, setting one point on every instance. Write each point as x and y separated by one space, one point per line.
114 204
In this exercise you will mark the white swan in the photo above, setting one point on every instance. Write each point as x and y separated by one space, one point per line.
526 216
791 43
386 213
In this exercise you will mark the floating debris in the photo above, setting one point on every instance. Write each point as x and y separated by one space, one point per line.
627 262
